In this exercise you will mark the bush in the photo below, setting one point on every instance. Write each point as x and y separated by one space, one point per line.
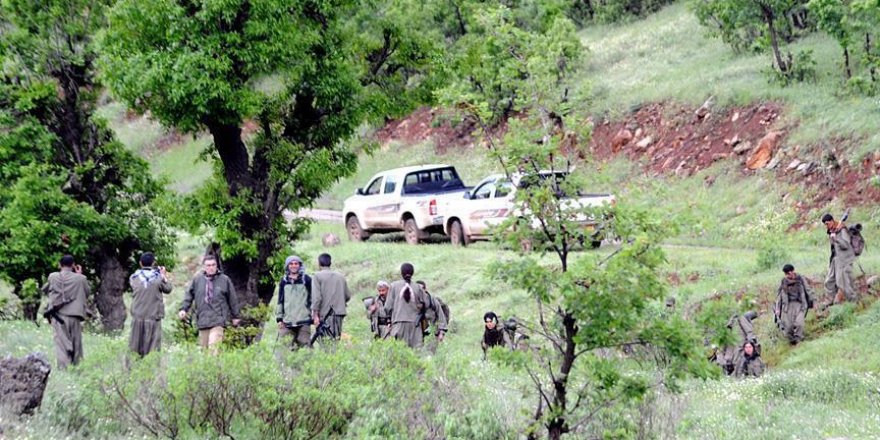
360 391
840 317
771 255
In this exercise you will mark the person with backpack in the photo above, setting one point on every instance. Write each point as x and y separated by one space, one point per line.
843 255
435 317
293 312
792 303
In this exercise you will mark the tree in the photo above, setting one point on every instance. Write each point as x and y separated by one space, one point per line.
832 16
741 23
66 185
865 16
305 73
591 310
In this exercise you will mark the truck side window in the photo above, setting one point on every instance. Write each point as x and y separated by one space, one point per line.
390 185
374 187
484 192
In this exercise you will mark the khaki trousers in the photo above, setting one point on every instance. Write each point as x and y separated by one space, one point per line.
211 338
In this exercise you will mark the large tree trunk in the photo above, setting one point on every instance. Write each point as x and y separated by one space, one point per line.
248 276
114 278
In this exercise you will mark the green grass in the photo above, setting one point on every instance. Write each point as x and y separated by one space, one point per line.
458 276
668 56
175 159
182 166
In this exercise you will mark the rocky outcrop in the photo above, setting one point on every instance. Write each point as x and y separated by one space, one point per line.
22 382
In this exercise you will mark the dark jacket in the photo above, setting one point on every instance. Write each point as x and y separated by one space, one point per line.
220 310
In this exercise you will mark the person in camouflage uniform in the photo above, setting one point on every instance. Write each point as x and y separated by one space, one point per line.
380 320
749 364
840 265
67 290
743 332
148 284
791 304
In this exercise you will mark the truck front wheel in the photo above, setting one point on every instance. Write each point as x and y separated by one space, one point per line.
355 232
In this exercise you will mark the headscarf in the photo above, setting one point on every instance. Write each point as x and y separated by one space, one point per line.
146 275
302 267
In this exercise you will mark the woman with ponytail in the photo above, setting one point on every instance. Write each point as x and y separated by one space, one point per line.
405 304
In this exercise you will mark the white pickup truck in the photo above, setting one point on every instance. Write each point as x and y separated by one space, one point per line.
473 216
403 199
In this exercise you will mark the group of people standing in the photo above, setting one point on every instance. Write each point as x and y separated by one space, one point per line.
793 301
407 311
403 309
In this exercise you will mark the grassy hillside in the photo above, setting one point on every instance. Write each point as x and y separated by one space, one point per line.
831 377
732 239
668 57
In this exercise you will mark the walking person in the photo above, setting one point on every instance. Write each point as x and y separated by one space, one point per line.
405 304
67 290
293 312
791 304
330 294
148 307
216 304
841 262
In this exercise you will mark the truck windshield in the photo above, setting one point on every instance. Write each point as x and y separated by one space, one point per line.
436 180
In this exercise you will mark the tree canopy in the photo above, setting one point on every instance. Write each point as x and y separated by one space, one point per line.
66 184
280 85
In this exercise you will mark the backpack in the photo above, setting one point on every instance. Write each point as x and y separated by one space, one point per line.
856 240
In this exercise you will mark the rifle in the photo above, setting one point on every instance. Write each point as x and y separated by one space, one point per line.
323 329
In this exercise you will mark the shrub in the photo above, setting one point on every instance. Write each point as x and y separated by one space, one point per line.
840 316
771 255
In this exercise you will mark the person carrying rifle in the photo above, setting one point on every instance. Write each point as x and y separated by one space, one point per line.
380 321
67 290
406 303
147 308
792 304
293 312
330 293
842 258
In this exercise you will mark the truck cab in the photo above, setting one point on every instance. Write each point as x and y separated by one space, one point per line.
402 199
